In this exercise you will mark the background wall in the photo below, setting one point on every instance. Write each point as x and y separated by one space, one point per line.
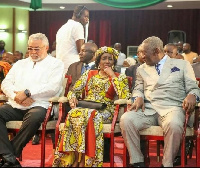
13 20
130 27
6 22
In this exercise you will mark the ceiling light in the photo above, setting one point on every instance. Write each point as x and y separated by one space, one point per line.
62 7
22 31
169 6
3 30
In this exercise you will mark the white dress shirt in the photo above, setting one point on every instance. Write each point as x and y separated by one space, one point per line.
43 79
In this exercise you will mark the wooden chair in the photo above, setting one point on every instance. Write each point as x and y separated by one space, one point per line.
110 130
49 125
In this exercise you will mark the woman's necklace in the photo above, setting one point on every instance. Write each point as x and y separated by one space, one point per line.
103 75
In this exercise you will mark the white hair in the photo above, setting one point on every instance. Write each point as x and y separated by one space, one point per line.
39 36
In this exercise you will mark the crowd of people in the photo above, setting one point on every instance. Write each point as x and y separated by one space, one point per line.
164 87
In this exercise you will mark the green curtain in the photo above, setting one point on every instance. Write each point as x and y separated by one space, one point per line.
36 4
129 3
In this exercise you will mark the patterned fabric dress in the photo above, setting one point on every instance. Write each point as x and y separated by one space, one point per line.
83 126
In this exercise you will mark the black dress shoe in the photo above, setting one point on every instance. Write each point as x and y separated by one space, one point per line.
2 162
36 140
137 165
8 164
177 161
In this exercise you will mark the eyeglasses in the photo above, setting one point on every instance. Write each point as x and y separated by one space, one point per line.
35 49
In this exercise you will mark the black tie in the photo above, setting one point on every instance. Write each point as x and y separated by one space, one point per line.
157 68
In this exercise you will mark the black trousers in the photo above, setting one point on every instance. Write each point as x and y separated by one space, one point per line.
32 119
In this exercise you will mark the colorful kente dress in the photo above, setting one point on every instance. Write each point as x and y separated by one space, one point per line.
83 126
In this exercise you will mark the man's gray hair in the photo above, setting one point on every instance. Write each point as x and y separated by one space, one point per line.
154 42
39 36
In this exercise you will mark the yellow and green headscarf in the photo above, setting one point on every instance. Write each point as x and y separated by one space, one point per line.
109 50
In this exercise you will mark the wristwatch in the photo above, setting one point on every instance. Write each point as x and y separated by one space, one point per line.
27 93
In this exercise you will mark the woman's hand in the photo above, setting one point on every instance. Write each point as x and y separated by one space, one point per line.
73 102
109 72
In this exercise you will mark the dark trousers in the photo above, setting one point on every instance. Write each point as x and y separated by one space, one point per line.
32 119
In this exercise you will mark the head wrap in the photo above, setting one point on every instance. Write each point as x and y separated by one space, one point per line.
109 50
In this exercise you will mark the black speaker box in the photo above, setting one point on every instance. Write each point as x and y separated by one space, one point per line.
174 36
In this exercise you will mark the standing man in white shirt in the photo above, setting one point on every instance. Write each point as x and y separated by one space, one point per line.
70 37
28 86
122 56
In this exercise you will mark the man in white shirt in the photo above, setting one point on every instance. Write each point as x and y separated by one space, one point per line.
121 56
70 36
28 86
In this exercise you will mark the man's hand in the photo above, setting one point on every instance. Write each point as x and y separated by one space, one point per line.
189 103
20 97
137 104
27 102
73 102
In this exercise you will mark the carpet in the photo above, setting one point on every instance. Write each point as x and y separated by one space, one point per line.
31 155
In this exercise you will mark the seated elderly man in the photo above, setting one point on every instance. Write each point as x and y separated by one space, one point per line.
28 85
165 89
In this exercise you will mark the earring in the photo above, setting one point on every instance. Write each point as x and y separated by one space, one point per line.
113 67
99 67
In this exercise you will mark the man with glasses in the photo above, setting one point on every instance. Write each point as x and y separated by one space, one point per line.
28 86
70 36
87 57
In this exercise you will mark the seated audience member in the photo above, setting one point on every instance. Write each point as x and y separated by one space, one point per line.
90 41
8 57
131 71
26 54
2 48
179 56
171 50
164 90
102 86
127 63
188 54
17 55
180 47
122 56
28 85
4 69
53 53
87 58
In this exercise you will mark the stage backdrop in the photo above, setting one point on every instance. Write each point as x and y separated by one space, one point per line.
129 27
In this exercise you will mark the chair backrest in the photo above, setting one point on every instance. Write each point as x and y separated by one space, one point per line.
66 84
198 80
124 109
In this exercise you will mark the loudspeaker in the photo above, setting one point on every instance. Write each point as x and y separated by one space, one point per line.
174 36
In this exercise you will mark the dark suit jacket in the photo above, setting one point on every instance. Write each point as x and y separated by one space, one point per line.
196 68
75 71
131 71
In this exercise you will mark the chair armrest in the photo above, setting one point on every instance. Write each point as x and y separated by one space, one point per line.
63 100
54 99
120 101
3 98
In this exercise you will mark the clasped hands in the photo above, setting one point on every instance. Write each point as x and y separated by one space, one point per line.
22 99
188 104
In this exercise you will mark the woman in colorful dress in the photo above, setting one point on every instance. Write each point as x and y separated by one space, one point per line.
81 143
